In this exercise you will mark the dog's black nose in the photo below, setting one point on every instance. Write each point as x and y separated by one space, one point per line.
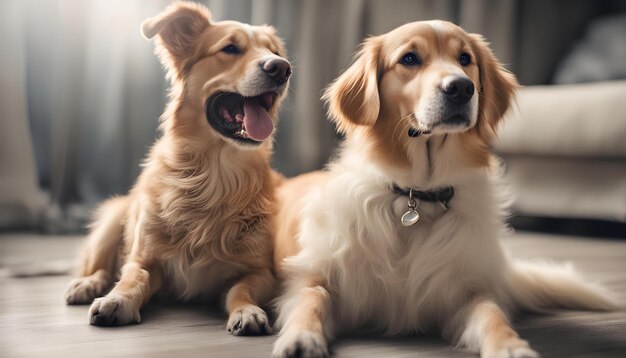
459 89
277 69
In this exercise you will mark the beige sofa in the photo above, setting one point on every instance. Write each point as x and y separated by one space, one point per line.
565 151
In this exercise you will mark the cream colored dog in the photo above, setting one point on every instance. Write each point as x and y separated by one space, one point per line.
198 222
401 234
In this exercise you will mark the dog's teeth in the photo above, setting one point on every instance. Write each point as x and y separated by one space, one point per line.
226 115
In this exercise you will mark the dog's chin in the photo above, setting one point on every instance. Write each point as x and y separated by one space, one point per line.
457 123
243 121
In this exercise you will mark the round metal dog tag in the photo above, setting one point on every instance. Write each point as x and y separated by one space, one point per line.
410 217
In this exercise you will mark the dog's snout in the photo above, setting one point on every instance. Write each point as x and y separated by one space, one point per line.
458 89
278 69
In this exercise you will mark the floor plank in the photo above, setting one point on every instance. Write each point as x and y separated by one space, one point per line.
35 322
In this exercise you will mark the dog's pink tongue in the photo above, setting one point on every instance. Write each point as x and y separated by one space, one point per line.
257 121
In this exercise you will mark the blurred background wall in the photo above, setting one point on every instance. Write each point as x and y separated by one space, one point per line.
81 91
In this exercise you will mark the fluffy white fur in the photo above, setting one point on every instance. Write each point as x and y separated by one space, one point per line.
404 280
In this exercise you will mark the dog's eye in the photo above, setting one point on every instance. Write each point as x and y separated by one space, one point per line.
410 59
465 59
231 49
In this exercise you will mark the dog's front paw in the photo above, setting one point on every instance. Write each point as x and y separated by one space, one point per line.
302 344
248 320
113 310
517 348
83 290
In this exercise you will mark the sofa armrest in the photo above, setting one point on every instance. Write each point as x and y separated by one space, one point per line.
582 120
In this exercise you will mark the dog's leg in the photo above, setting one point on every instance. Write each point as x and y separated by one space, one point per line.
99 257
141 277
245 317
307 323
488 331
121 306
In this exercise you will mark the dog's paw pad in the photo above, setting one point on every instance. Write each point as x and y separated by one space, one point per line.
83 290
302 343
248 320
113 311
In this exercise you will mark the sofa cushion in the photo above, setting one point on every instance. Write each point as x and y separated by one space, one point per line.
568 187
581 120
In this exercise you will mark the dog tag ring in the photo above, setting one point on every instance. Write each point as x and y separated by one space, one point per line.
411 216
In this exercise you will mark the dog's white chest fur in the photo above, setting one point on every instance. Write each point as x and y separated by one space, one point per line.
393 278
400 289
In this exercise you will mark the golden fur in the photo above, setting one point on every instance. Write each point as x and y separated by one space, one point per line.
347 261
198 221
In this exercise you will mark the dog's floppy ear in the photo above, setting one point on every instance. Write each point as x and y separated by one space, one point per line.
497 85
353 97
178 28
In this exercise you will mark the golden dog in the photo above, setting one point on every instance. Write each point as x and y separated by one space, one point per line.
198 221
401 234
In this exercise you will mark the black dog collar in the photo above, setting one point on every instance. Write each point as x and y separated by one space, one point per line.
442 195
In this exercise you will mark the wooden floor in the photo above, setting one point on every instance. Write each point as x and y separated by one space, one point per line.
35 322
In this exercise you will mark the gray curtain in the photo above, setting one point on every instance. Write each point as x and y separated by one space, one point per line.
94 90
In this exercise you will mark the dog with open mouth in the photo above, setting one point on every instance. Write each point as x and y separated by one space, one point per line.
197 224
401 234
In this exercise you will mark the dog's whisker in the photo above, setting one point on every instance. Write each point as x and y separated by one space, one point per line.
407 142
405 127
393 133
